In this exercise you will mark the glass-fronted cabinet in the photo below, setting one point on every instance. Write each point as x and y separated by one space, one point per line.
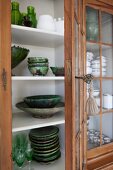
99 63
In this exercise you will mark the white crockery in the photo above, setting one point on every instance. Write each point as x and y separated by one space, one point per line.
96 93
107 101
89 70
88 64
46 22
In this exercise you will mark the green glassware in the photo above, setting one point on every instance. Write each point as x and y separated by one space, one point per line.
32 16
20 157
15 14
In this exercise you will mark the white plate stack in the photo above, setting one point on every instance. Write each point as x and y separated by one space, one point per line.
89 56
96 66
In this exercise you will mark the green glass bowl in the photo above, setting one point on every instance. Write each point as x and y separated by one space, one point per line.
42 101
18 54
38 70
58 71
37 60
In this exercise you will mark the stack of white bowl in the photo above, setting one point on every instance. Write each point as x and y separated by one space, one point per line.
96 66
89 56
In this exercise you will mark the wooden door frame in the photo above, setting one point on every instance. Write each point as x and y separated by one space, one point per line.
5 86
70 161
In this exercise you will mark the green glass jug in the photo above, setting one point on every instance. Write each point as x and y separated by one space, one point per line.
15 14
32 16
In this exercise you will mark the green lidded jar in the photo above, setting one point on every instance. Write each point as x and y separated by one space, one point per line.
92 24
32 16
15 14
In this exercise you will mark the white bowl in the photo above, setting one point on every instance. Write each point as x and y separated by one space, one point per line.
89 70
88 64
46 22
96 93
98 70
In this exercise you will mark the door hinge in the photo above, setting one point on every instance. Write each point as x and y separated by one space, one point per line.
4 79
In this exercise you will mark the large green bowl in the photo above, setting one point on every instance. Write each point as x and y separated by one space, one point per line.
18 54
42 101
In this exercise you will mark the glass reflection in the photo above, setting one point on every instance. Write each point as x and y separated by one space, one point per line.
107 28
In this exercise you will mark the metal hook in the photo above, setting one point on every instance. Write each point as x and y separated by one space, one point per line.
86 78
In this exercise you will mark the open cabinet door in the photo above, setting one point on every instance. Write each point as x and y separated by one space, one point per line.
74 106
5 86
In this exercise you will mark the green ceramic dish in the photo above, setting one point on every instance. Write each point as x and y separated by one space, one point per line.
37 60
46 155
45 133
58 71
46 151
42 101
48 159
44 146
41 112
18 54
44 143
38 70
38 65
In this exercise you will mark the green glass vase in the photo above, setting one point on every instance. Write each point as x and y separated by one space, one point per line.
32 16
15 14
92 26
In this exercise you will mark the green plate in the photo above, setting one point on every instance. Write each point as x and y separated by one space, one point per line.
49 159
46 151
45 155
44 133
41 112
44 142
45 146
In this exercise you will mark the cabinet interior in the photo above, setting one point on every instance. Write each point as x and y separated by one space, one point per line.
55 55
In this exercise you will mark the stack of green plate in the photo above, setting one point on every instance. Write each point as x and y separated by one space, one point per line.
45 144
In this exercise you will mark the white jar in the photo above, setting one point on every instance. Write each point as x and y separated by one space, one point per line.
107 101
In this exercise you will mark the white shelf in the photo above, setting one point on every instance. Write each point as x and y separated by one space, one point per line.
37 37
37 78
57 165
24 121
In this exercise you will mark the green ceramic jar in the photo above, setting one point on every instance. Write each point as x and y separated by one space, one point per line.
32 16
92 28
15 14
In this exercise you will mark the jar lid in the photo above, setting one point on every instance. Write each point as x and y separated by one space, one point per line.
30 9
15 5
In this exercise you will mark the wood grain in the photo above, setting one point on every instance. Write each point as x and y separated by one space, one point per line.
5 95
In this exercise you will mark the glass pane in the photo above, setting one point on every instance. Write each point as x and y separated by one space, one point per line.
92 26
107 28
93 131
107 133
92 56
107 61
107 95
